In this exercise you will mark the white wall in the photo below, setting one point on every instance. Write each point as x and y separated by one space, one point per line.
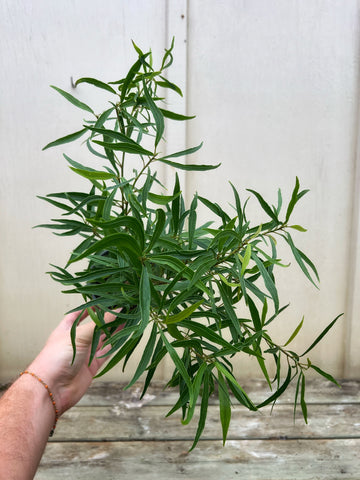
275 88
274 85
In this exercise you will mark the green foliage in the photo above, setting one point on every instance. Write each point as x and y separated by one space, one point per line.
147 255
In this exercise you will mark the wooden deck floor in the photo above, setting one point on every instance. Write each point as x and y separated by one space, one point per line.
111 434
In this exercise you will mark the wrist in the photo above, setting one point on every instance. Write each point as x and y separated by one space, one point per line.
43 395
49 373
26 418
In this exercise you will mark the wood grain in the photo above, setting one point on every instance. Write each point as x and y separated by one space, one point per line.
317 391
253 460
118 423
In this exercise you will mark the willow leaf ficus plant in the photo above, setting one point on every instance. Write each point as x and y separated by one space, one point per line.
176 280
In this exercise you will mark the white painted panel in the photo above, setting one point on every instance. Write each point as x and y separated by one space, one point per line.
352 331
274 86
43 43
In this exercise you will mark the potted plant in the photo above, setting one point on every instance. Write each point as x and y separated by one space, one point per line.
177 280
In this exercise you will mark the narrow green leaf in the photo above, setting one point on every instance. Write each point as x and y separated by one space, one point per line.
182 153
185 313
297 390
279 391
175 116
144 299
61 205
125 333
240 395
131 74
120 241
295 332
309 263
93 175
325 374
174 332
205 332
225 406
73 333
181 403
299 228
264 312
93 315
293 200
269 283
229 284
246 260
168 57
214 207
232 382
265 206
279 202
157 114
254 314
262 365
126 147
302 398
224 292
238 205
158 355
93 151
178 266
197 385
192 221
103 117
66 139
188 167
159 227
166 84
94 343
137 49
175 206
322 334
129 345
122 221
162 199
299 257
96 83
113 134
73 100
145 357
179 365
78 165
203 409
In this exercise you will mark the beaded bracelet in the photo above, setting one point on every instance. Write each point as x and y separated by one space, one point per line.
51 398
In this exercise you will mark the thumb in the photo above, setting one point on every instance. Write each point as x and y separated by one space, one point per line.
84 334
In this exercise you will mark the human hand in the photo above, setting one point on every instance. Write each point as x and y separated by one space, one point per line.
69 381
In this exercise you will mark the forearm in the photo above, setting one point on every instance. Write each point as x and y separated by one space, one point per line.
26 418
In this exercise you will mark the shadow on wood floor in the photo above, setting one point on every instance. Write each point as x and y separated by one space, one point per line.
114 435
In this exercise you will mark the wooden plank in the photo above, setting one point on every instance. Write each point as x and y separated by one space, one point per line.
113 393
149 423
317 391
253 460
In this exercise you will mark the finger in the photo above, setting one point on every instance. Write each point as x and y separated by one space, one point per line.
100 358
110 316
84 334
109 319
69 319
